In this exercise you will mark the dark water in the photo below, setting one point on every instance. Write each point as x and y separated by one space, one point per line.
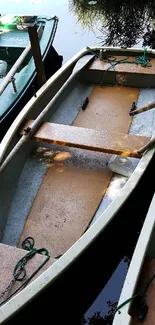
83 23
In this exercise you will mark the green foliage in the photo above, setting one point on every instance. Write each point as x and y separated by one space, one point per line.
97 319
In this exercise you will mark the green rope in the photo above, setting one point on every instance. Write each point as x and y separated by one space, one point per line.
142 60
138 294
19 272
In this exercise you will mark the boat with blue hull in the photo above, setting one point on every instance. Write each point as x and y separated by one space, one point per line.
18 77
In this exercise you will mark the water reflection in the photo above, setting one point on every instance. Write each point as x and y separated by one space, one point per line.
103 308
122 23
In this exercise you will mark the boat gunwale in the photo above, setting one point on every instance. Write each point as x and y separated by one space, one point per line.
135 267
47 277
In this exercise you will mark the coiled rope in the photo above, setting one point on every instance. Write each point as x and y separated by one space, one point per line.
141 293
143 60
19 272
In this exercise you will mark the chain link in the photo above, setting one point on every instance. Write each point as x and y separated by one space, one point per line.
7 288
11 282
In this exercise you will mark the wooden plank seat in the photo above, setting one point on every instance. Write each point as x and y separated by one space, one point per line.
89 139
121 67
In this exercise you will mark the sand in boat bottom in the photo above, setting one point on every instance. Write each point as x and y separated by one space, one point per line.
64 206
108 109
66 202
147 271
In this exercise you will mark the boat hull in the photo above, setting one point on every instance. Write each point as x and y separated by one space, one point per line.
52 62
71 294
122 205
140 272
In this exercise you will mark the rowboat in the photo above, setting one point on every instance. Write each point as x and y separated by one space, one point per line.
59 185
136 303
18 78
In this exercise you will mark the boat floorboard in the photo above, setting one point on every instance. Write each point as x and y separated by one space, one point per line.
65 204
108 109
67 201
147 271
9 256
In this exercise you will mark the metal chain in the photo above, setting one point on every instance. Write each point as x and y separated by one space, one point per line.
11 282
7 288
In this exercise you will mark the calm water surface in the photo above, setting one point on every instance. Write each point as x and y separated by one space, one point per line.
71 36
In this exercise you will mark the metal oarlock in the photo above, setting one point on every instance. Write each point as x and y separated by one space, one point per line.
13 84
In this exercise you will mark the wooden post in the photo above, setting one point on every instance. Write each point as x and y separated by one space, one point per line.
17 64
36 52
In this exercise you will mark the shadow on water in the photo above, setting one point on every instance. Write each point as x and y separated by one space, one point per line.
123 23
82 290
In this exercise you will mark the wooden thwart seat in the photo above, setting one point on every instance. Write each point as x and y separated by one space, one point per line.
89 139
127 67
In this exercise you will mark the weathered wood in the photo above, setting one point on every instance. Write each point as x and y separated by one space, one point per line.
89 139
36 51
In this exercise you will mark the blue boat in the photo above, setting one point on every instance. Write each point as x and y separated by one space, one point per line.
18 82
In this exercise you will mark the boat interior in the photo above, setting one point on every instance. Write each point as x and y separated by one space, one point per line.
59 183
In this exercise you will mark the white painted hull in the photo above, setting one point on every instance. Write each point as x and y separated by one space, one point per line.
52 273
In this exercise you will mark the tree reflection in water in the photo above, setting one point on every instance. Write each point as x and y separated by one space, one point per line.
100 316
123 22
97 319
